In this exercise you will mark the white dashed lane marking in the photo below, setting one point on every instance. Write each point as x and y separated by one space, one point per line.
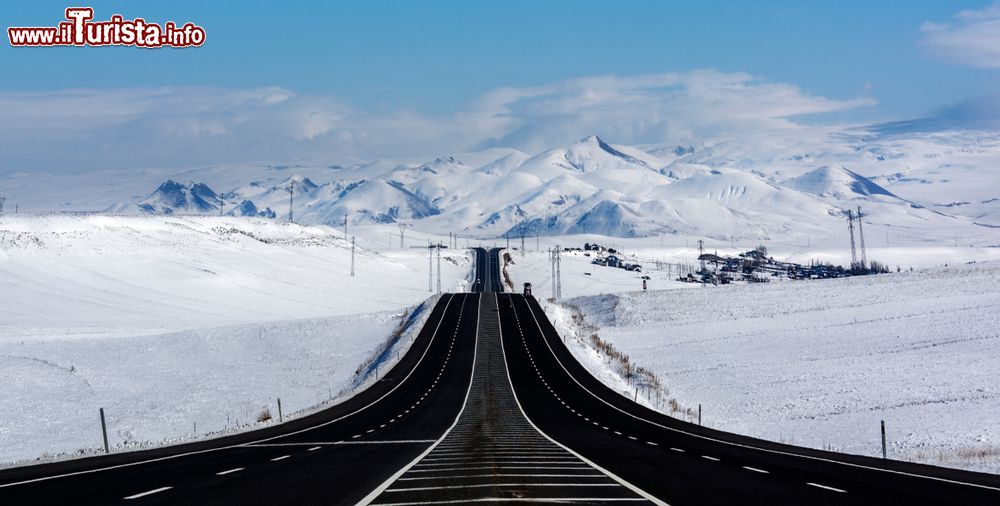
230 471
148 492
825 487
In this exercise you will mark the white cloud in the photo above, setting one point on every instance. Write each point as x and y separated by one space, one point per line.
86 129
972 38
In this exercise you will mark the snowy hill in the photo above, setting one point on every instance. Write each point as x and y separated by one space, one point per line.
816 363
172 197
928 186
171 321
837 182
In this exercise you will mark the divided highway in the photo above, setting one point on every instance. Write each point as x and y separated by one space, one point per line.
489 405
493 453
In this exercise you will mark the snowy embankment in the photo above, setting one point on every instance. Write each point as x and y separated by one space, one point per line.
185 326
811 363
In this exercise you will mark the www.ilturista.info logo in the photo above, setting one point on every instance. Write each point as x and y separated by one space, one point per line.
80 30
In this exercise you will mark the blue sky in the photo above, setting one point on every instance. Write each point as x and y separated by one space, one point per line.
878 60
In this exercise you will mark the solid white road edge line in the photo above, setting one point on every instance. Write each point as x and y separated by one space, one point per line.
741 445
385 484
611 475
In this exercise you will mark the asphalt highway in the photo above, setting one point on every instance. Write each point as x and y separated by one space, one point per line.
488 405
336 456
682 463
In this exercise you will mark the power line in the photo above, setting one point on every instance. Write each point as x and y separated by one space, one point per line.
850 228
861 234
291 200
402 229
558 275
552 268
522 238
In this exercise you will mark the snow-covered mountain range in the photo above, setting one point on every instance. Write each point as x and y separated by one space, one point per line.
937 184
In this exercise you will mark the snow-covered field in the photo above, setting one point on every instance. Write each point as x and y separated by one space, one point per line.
186 326
169 322
813 363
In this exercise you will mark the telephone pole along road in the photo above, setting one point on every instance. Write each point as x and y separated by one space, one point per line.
490 406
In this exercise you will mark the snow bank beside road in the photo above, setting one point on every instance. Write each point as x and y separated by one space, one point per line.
168 322
820 363
175 386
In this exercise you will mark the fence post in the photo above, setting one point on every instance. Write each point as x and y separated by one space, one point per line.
280 418
883 439
104 431
699 414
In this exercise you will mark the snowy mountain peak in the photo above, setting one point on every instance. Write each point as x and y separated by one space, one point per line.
171 197
301 183
593 154
248 208
837 182
588 186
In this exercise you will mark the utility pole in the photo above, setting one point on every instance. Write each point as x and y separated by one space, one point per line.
345 226
536 243
850 228
222 205
291 199
861 235
352 257
402 229
439 267
701 252
104 431
883 440
558 294
506 235
522 238
430 267
552 268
